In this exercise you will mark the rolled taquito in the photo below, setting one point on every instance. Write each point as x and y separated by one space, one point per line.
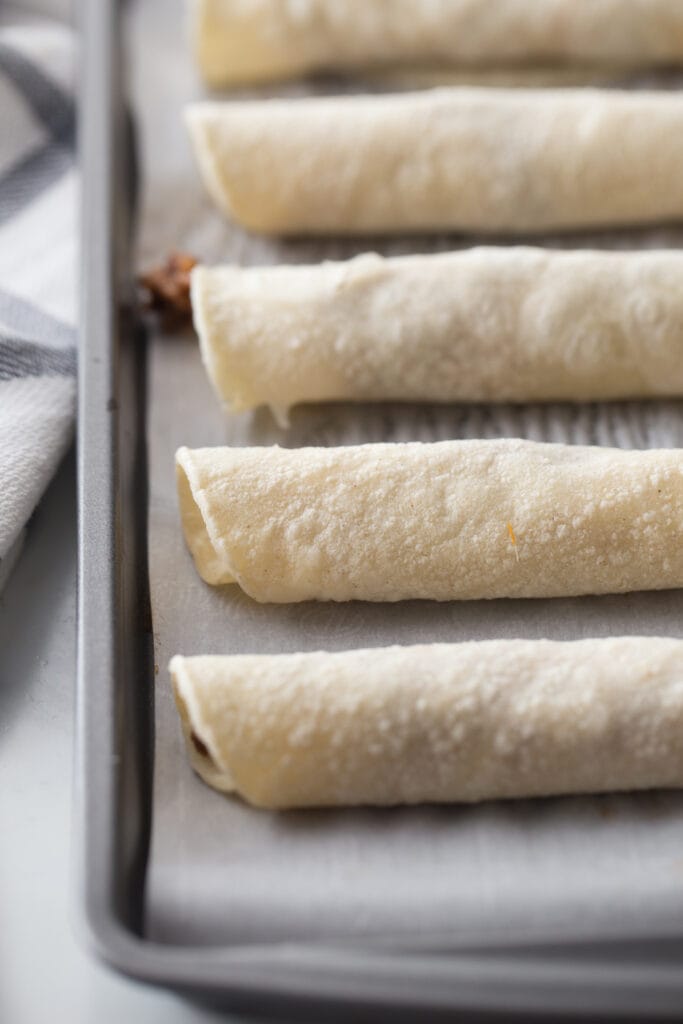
436 722
487 324
257 40
444 521
465 159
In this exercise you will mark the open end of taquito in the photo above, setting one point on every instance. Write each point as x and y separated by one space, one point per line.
201 533
203 317
231 381
197 732
198 119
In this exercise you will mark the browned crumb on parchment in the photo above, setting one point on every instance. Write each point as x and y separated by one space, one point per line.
168 289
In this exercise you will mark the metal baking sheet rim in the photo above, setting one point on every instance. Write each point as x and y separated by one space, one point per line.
109 863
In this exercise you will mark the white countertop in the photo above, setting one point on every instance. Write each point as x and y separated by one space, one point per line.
45 973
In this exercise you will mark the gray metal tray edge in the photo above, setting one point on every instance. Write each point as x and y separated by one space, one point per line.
114 710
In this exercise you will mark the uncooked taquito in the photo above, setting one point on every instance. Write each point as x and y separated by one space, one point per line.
436 722
445 521
479 160
256 40
489 324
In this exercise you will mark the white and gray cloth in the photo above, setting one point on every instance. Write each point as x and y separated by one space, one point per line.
38 257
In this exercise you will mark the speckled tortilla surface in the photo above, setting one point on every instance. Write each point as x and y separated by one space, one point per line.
486 324
462 159
436 723
444 521
254 40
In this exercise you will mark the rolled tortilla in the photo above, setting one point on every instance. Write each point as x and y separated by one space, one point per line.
445 521
480 325
436 723
256 40
479 160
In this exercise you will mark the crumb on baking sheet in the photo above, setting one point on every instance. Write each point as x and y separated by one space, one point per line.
168 288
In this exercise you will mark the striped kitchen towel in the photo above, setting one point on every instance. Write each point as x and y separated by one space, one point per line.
38 257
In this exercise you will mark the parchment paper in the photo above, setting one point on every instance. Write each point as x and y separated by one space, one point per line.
220 872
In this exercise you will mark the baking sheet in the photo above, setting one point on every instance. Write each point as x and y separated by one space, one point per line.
220 872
